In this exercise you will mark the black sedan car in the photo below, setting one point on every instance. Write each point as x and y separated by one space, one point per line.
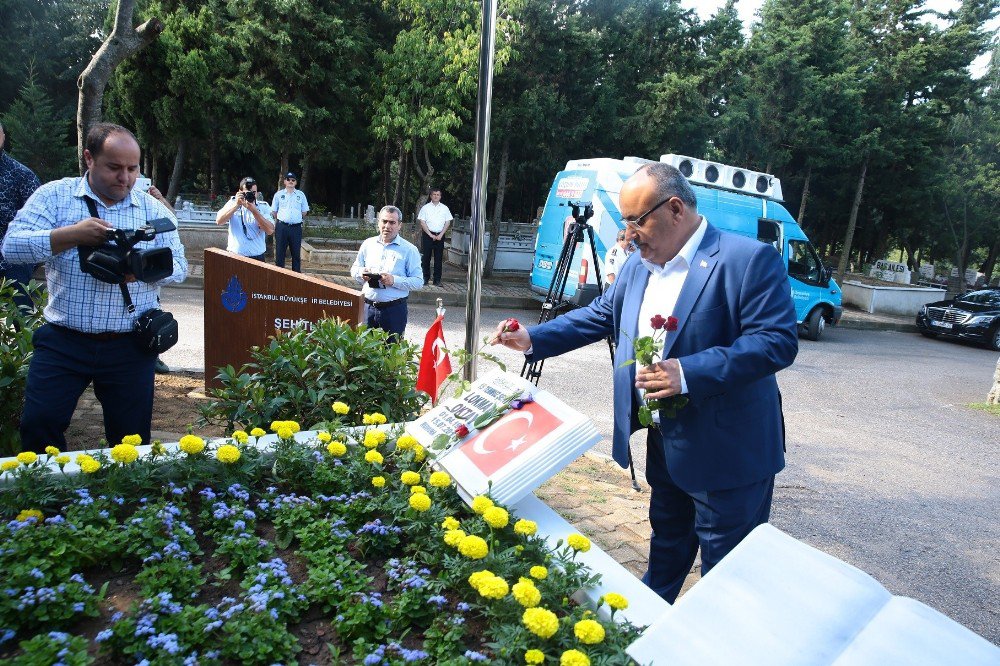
973 316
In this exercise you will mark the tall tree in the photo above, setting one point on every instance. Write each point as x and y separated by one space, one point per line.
39 134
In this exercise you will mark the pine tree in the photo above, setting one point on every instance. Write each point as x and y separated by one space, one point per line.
39 136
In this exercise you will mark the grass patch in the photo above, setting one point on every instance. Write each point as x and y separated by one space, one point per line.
986 407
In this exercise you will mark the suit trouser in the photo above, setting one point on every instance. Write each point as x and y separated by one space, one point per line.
428 247
387 316
288 236
63 365
715 520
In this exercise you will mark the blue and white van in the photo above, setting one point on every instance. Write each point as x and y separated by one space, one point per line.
733 199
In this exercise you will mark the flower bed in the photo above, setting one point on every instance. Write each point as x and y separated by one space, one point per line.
315 552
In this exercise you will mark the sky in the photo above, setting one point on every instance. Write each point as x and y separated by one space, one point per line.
748 9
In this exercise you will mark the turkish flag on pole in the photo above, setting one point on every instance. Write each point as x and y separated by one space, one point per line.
435 365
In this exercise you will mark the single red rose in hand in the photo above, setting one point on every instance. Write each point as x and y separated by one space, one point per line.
658 322
462 430
671 323
511 325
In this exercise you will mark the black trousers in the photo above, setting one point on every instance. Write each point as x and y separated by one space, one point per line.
429 246
288 236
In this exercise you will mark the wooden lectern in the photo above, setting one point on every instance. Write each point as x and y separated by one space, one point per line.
248 301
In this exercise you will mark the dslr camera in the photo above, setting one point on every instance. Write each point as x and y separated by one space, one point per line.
249 196
113 261
374 279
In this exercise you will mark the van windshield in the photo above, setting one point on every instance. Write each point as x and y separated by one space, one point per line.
803 264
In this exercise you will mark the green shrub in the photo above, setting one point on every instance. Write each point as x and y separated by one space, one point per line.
300 374
17 324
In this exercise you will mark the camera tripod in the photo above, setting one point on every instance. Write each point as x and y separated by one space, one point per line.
554 301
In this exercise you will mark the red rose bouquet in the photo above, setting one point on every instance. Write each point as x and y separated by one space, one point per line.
649 350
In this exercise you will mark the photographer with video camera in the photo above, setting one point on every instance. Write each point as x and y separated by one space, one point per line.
107 249
249 221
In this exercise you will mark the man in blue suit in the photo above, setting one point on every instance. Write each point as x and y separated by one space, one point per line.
711 468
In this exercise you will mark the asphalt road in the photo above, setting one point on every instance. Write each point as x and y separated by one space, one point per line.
887 468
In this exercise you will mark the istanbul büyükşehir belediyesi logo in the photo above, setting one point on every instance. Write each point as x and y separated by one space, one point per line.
234 298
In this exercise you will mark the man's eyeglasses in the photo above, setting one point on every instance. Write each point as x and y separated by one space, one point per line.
637 222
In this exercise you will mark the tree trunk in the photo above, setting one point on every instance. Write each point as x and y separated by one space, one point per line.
385 175
175 177
283 169
304 176
805 195
397 193
425 177
213 165
343 193
154 169
123 42
491 253
991 261
852 221
404 165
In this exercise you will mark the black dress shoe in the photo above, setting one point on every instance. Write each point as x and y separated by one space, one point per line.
160 367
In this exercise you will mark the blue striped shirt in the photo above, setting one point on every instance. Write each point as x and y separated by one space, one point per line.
77 300
399 257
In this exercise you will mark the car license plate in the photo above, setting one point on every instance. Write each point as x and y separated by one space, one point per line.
941 324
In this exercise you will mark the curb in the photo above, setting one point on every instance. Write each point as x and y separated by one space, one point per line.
878 325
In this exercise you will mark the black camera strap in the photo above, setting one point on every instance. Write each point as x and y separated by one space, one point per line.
127 297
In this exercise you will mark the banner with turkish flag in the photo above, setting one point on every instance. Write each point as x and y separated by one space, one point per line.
435 366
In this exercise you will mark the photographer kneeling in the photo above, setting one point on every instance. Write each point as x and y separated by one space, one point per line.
107 249
249 221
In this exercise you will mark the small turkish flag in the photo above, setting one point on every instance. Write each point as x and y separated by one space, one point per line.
435 366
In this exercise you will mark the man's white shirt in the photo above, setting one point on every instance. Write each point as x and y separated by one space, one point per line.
435 216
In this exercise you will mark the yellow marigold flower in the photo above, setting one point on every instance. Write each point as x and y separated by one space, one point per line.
540 621
538 572
473 547
477 577
27 457
419 453
324 437
30 513
257 432
62 460
454 537
480 503
409 478
440 479
192 444
418 489
420 502
336 449
574 658
376 418
124 454
534 657
285 432
341 408
405 442
240 436
294 425
8 465
228 454
275 425
450 523
590 632
578 542
615 601
525 527
526 593
494 587
374 438
496 517
51 450
378 481
374 457
88 465
134 440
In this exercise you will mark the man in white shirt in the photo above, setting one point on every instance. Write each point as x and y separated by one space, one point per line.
434 218
288 207
249 221
616 256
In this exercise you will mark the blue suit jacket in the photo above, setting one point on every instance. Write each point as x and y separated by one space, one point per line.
736 328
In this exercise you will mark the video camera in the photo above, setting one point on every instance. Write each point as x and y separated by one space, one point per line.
113 261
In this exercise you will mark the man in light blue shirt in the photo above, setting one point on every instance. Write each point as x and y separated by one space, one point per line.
388 267
288 207
89 335
249 221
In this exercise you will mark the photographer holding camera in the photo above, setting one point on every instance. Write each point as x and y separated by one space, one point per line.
249 221
389 268
107 249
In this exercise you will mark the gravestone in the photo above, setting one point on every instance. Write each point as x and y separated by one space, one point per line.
890 272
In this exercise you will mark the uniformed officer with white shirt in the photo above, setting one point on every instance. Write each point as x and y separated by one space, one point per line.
434 218
288 207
